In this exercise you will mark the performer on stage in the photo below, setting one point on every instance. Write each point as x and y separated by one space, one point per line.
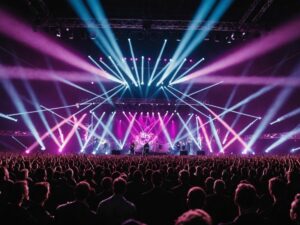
132 148
146 149
178 146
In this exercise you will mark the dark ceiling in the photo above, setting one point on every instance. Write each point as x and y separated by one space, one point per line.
274 13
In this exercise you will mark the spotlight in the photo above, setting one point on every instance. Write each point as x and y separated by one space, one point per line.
228 40
43 148
232 36
294 149
58 33
92 36
71 36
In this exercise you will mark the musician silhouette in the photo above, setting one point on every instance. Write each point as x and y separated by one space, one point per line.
146 149
132 148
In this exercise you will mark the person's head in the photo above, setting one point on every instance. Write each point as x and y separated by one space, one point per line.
194 217
209 183
24 174
292 176
89 174
219 186
40 175
106 183
19 192
295 209
277 188
184 177
148 175
115 175
245 196
132 222
119 186
82 190
156 178
69 173
196 198
137 176
39 192
4 174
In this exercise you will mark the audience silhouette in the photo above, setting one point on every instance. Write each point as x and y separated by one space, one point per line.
152 190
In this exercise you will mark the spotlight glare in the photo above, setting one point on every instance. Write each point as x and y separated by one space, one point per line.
295 149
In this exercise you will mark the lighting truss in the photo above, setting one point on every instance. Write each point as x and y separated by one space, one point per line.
139 24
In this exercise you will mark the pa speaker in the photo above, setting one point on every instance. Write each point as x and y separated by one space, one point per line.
200 152
116 152
183 152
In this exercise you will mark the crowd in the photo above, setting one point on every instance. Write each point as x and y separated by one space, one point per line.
153 190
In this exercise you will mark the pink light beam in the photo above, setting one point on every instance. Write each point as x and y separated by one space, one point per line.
15 29
278 38
205 134
71 133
